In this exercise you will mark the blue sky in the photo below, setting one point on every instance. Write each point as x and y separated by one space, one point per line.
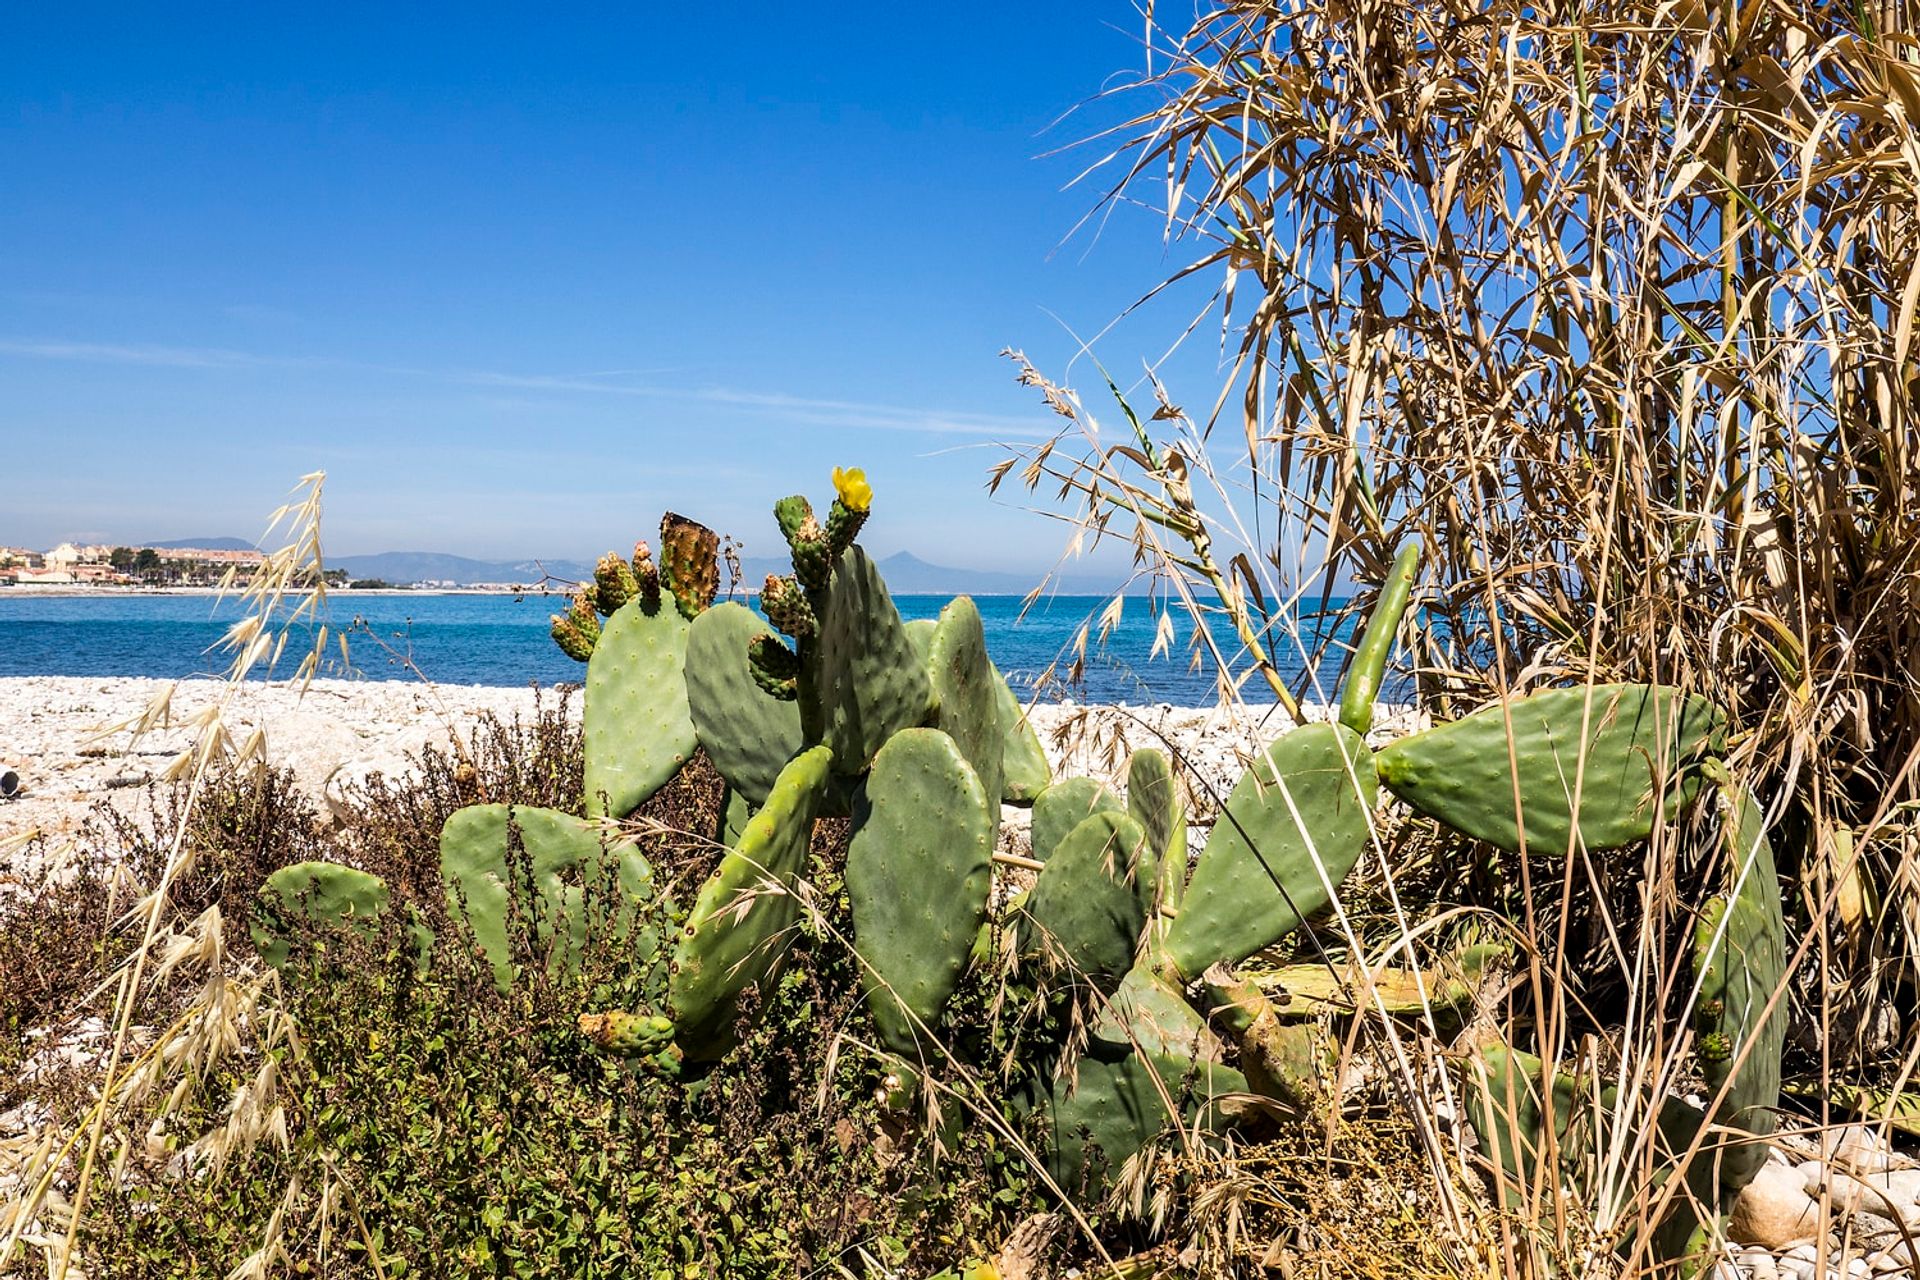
520 277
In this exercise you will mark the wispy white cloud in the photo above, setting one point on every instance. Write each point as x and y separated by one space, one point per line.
770 405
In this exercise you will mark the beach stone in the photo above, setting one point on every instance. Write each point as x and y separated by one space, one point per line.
1775 1210
1858 1147
1760 1265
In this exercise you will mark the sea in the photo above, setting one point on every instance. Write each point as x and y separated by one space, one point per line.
502 640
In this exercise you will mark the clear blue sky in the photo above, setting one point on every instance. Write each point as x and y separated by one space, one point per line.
519 277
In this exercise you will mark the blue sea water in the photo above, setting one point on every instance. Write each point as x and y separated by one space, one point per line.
502 640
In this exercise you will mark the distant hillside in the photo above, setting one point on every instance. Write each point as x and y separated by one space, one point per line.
199 544
909 575
432 566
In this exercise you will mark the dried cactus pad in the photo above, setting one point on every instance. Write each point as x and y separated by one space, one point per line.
742 924
748 733
1290 831
1632 737
637 725
562 860
918 873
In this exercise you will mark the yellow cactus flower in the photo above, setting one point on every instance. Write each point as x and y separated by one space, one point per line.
851 484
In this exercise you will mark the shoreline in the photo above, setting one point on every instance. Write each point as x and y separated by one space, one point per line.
343 730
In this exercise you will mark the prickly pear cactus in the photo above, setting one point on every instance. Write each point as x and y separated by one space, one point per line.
1064 806
1148 1014
1635 735
637 725
1023 759
1376 644
1091 900
689 563
1153 798
748 734
865 682
1291 829
742 924
563 859
1099 1114
918 874
1740 961
319 892
966 691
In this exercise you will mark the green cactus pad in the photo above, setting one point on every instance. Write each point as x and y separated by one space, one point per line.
1147 1014
1109 1107
319 892
637 726
1091 900
918 873
1023 759
1376 645
734 815
965 691
1263 872
1460 772
742 924
748 734
1739 956
1065 805
561 855
866 682
1153 798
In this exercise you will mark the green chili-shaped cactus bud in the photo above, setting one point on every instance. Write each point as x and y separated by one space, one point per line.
786 607
853 499
578 629
812 558
613 584
646 576
775 667
689 563
791 513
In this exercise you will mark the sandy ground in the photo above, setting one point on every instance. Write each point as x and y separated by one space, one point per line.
58 735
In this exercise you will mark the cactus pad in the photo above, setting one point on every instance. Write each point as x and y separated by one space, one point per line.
742 924
1064 806
1148 1014
637 725
689 563
1091 900
1111 1106
1023 760
867 683
565 860
1153 798
320 892
918 872
964 691
1264 871
1460 772
748 734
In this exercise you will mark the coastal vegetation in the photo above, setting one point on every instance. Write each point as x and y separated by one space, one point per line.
1583 341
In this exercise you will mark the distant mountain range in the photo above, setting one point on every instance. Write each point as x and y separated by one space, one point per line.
906 573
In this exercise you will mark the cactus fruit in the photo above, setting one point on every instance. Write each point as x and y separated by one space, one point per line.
613 583
646 576
1064 806
1462 774
918 873
1739 956
963 682
689 563
1153 798
565 859
632 1035
775 668
791 513
864 682
813 559
1376 643
742 924
786 606
578 629
1290 831
748 734
1107 1108
637 726
1023 761
853 499
320 892
1091 899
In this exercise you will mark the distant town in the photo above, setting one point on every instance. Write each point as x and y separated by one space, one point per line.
104 565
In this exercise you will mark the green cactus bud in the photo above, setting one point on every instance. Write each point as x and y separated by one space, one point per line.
577 631
791 513
1370 659
813 559
1715 1047
843 526
613 583
646 576
786 607
689 563
776 668
631 1035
